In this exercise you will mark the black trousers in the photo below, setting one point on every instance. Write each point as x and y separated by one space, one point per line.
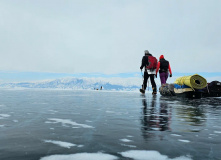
146 76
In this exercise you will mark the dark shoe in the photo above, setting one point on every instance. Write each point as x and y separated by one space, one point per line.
142 91
154 93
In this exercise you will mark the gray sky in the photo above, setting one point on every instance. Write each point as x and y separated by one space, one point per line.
109 36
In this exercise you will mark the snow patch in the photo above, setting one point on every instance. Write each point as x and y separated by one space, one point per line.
67 121
60 143
2 116
110 112
81 156
183 140
129 136
125 140
126 145
149 155
176 135
217 132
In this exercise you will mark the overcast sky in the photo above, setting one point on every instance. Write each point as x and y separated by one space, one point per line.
109 36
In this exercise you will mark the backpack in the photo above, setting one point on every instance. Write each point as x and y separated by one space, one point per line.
152 62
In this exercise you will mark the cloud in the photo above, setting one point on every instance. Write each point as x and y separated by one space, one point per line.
108 37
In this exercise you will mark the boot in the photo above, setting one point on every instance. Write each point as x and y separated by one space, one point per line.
154 91
142 90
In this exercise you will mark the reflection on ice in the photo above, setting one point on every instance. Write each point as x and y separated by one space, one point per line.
155 117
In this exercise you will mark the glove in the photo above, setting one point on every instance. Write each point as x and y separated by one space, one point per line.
156 75
171 75
141 68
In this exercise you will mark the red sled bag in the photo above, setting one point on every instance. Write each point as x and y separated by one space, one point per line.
152 63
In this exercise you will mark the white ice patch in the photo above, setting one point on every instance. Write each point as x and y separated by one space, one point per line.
53 111
129 136
176 135
60 143
2 116
81 156
183 140
131 146
110 112
125 140
80 146
68 121
149 155
155 129
15 121
2 125
217 132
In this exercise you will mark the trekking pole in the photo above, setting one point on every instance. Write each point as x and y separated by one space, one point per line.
142 77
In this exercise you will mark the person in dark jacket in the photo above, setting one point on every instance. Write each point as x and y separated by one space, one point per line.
164 67
148 73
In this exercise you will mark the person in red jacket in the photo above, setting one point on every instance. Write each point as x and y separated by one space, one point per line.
164 67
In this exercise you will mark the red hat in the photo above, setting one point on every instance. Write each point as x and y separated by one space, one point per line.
161 57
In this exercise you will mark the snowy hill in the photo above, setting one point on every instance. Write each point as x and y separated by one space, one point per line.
126 84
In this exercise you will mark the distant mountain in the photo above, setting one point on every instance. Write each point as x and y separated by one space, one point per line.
126 84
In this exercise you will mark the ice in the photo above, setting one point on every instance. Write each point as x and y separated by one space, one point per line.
52 111
125 140
60 143
155 129
183 140
149 155
68 121
129 136
219 132
88 124
81 156
110 112
131 146
176 135
79 146
3 116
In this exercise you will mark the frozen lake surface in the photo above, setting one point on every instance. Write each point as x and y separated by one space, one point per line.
101 125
